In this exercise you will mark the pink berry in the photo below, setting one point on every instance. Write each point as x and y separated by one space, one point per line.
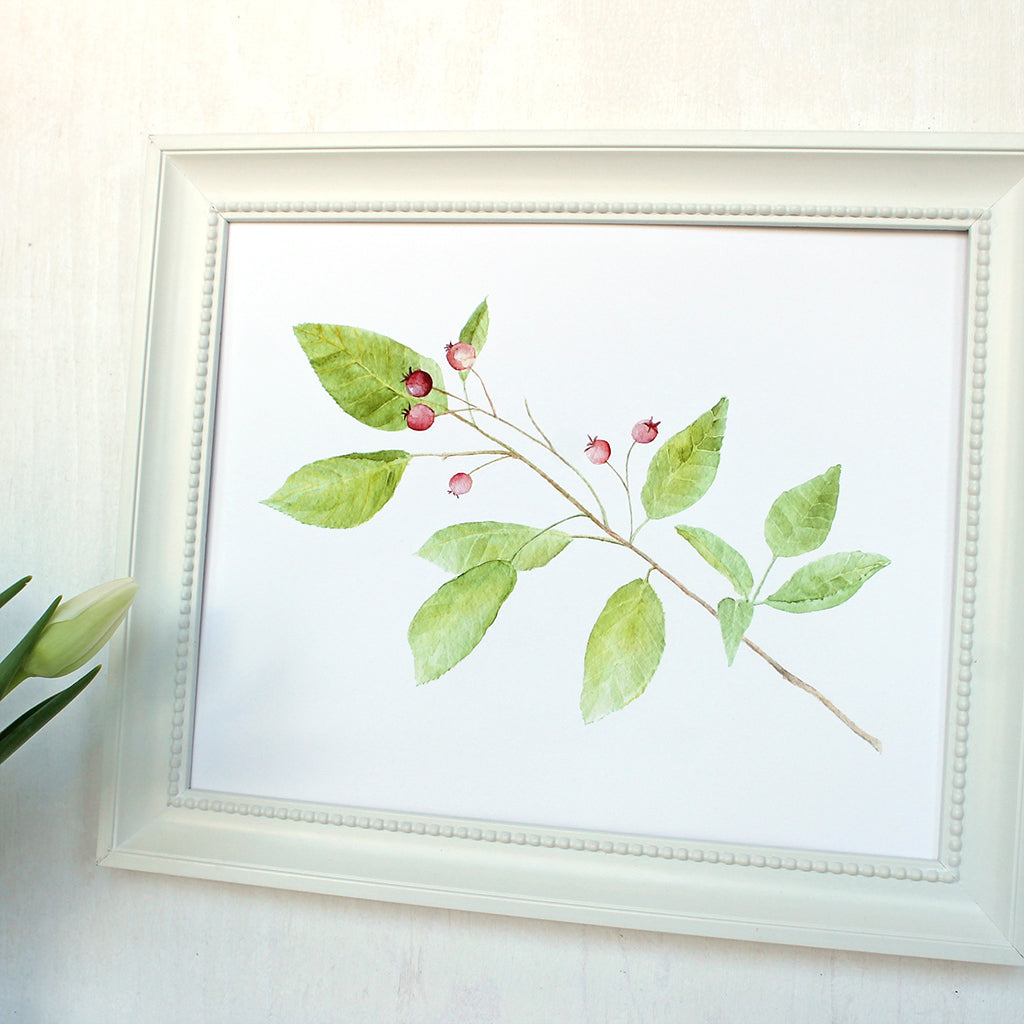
460 484
598 451
419 417
646 431
461 355
418 383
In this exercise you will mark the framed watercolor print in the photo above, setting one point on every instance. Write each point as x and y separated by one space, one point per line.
617 529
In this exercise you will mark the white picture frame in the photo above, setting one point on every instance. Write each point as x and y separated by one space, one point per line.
953 896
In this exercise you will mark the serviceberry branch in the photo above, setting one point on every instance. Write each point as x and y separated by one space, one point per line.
655 566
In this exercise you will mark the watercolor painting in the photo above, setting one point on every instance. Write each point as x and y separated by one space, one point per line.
675 447
388 386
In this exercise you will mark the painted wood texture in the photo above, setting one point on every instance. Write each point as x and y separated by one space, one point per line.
81 86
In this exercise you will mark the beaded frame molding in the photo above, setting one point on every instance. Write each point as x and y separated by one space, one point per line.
962 904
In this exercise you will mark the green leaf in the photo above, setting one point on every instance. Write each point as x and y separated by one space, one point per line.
623 651
463 545
475 331
734 618
719 555
10 675
801 518
13 590
453 620
364 373
826 582
340 492
684 467
25 727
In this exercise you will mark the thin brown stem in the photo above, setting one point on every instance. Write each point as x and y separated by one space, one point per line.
807 688
487 395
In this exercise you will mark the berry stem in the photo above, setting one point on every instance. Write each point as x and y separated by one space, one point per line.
491 462
629 495
625 484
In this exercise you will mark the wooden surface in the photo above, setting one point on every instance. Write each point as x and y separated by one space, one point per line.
81 87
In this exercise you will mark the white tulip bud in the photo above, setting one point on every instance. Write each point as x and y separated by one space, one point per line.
79 628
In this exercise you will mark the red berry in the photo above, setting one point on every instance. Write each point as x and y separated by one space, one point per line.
645 431
418 383
460 484
598 451
419 417
461 355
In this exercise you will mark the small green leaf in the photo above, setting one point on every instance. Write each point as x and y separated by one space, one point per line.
623 651
684 467
463 545
475 331
340 492
719 555
453 620
826 582
800 519
13 589
734 618
364 373
28 724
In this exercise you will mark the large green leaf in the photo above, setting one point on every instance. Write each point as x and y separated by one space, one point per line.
475 331
800 519
623 651
826 582
453 620
734 618
340 492
28 724
684 467
463 545
721 556
364 373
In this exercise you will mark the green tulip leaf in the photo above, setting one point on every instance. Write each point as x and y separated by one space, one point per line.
800 519
454 619
461 546
364 373
623 651
475 331
684 467
734 618
28 724
340 492
719 555
826 582
13 590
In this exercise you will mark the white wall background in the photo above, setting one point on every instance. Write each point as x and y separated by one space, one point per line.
81 87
